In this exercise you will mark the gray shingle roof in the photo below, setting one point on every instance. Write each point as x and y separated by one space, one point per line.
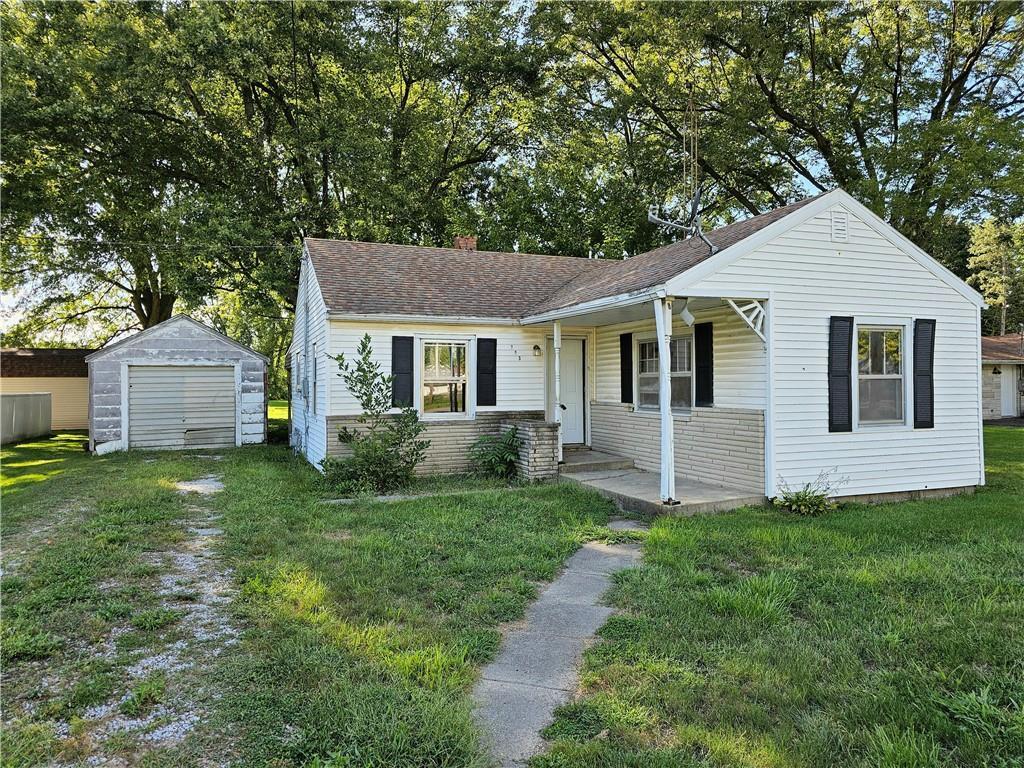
382 279
377 278
655 267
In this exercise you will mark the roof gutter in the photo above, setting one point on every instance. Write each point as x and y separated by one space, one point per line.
597 305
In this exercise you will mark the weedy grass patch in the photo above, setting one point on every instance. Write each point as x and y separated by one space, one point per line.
888 635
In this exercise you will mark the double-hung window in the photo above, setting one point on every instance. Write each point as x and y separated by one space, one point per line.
444 377
680 373
880 384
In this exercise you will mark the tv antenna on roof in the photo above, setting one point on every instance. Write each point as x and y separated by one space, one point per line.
691 225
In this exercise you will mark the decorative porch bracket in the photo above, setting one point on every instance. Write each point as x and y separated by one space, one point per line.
753 315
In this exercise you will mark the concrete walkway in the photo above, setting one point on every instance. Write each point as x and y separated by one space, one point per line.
537 668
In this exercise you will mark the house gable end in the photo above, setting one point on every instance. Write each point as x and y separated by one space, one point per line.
837 200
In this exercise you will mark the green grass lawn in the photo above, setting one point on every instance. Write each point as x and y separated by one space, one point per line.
277 421
365 623
888 635
876 636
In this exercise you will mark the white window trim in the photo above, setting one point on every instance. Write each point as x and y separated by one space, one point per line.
905 324
643 338
313 379
469 340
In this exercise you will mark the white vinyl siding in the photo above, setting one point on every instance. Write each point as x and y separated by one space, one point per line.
310 370
874 281
520 373
181 406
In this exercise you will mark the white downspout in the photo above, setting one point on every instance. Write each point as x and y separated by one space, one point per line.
557 362
663 319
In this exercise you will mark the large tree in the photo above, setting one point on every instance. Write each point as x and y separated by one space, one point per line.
158 153
915 108
996 265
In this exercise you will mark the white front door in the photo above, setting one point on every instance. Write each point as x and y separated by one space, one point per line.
573 391
1008 382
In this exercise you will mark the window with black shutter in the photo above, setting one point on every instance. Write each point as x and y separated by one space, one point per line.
401 371
704 355
840 376
626 367
486 372
924 378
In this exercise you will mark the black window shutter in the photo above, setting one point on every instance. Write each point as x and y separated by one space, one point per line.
401 371
840 376
704 368
626 367
924 379
486 371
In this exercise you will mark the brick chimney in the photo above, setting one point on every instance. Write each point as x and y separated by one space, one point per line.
465 242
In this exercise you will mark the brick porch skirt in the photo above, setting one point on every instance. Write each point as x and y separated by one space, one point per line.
451 439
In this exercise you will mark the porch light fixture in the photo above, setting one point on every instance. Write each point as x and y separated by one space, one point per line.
536 350
996 371
686 315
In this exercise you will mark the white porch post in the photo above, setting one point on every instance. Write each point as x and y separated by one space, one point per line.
663 318
557 362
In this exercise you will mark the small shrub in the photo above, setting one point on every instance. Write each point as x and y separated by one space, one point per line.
496 455
386 447
810 499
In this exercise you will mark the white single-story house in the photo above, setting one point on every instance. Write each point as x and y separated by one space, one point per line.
811 338
179 384
62 373
1002 374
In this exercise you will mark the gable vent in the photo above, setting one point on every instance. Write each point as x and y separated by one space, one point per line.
840 226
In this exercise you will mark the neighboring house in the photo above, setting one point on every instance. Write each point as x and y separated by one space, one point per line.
1002 376
179 384
816 338
62 373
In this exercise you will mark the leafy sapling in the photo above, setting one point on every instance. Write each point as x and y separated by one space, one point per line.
385 446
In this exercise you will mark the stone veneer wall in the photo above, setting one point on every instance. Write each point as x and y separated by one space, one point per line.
721 446
450 440
538 448
991 393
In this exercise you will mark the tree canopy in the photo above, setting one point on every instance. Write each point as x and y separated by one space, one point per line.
160 157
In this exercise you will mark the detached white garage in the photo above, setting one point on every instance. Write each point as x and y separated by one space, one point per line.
176 385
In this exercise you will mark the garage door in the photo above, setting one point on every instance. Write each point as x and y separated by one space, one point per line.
181 406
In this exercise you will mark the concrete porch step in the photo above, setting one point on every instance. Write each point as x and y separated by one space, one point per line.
589 460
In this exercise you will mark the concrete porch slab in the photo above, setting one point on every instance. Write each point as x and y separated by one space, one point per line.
635 490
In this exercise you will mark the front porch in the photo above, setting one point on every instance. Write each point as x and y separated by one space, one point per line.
635 490
677 393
